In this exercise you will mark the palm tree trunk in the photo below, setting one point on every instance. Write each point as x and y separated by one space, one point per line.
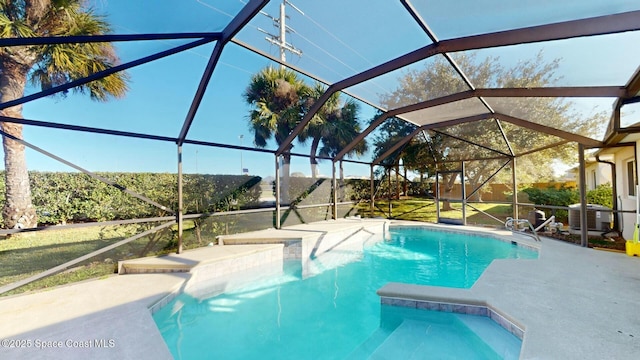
312 157
18 211
341 183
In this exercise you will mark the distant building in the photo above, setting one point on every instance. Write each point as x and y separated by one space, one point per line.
596 173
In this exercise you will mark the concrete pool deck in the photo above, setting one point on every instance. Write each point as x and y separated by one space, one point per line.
573 303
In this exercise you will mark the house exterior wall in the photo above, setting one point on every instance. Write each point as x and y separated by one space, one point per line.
626 201
596 174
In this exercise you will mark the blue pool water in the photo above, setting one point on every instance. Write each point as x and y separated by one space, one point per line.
328 308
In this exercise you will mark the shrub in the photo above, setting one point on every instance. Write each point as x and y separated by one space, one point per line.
601 195
357 189
563 196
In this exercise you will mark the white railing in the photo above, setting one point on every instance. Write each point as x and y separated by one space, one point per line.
517 225
522 225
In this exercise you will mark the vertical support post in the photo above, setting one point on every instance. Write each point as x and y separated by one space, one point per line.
397 180
277 224
635 160
437 197
372 188
616 116
334 184
389 197
179 213
464 195
514 182
584 234
341 183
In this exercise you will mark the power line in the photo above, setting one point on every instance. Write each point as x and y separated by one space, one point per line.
214 8
280 39
329 54
340 41
277 40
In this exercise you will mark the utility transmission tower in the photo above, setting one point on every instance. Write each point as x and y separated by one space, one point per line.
280 40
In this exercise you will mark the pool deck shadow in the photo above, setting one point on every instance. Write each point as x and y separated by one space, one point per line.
571 303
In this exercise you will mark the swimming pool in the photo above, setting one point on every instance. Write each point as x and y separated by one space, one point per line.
327 307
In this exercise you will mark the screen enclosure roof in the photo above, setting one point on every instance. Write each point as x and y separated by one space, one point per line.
482 72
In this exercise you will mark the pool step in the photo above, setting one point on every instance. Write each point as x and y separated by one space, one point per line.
218 259
308 240
414 339
402 342
493 335
364 350
407 341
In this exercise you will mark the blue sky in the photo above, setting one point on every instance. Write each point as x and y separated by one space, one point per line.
335 44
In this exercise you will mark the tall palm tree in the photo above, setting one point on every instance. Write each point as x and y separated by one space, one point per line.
334 126
46 66
342 127
319 127
277 96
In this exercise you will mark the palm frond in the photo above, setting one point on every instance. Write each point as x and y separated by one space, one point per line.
10 28
61 63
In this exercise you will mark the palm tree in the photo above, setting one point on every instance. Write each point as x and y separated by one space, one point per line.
342 129
277 96
343 126
319 127
335 125
46 66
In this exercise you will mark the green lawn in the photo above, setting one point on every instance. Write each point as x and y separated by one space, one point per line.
418 209
26 254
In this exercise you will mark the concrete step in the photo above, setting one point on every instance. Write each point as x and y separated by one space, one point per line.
206 256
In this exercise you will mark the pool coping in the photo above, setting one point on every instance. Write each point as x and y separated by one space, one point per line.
516 238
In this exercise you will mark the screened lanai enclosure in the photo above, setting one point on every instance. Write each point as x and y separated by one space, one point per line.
218 117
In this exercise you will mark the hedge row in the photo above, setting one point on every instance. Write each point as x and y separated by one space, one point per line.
61 197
